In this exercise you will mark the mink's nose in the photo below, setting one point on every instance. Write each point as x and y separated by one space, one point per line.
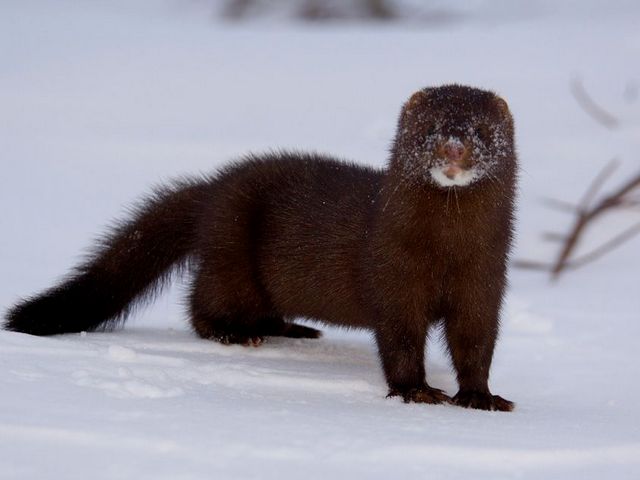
454 150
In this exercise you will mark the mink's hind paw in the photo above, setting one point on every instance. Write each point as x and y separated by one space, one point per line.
426 394
235 339
483 401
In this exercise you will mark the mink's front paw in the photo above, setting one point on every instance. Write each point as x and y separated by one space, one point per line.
424 394
482 401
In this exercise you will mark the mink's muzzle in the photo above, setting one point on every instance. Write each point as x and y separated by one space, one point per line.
454 151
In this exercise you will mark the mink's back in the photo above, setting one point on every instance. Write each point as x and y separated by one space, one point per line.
300 224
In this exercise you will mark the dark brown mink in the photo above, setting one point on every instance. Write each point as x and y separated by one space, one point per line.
283 235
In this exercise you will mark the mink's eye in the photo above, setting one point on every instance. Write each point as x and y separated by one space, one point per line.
483 133
426 136
431 131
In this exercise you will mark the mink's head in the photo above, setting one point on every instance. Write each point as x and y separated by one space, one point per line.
454 136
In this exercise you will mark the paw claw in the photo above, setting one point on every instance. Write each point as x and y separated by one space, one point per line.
255 341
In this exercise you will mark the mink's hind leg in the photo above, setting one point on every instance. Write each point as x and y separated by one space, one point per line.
227 329
244 330
237 314
229 312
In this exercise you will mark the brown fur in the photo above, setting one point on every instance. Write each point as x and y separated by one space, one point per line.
289 235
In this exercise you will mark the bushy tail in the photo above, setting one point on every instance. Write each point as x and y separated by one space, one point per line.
128 265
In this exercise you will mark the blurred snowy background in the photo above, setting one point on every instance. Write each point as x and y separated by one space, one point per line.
99 100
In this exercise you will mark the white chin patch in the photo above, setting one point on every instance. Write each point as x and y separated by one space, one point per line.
461 179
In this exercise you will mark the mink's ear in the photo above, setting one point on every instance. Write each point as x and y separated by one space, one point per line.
416 100
503 106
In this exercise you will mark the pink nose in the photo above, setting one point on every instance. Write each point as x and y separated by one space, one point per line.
454 150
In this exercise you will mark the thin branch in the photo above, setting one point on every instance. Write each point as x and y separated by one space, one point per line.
587 104
598 252
586 215
633 205
532 265
625 197
633 183
632 200
569 245
606 247
598 183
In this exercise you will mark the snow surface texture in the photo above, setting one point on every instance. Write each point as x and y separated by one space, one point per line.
102 99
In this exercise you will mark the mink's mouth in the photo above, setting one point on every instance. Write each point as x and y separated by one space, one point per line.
453 176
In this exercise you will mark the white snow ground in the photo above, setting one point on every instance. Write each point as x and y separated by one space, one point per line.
98 100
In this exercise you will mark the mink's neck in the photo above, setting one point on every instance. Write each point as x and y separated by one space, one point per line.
413 209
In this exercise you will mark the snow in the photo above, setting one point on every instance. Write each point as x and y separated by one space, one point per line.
101 100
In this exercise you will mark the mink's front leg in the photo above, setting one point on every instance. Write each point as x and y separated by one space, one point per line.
471 327
401 345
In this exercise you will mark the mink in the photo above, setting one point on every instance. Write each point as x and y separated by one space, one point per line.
270 238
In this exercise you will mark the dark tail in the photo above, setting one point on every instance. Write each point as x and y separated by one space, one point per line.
130 264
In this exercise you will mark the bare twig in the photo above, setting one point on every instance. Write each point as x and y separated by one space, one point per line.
606 248
630 205
587 215
586 212
583 218
532 265
598 183
630 185
592 109
588 209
